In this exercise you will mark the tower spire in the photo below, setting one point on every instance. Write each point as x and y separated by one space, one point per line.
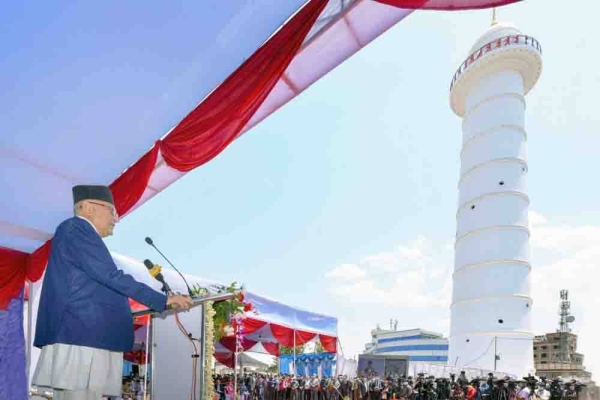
494 17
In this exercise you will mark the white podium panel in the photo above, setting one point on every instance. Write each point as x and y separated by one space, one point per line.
172 356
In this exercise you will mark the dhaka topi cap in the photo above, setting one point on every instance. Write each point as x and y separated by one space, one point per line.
92 192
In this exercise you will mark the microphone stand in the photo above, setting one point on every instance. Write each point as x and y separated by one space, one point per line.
151 243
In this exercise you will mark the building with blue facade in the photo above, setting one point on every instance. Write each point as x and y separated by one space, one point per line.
415 344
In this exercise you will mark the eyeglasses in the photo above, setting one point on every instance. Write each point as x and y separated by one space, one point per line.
112 209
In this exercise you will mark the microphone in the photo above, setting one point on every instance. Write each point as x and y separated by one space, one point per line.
151 243
159 277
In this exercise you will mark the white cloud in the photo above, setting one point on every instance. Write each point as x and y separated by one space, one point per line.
413 283
346 272
536 219
410 255
412 275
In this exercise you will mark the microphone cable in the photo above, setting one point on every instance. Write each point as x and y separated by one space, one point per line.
155 271
195 354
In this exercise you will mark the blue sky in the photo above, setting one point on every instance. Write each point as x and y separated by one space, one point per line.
351 188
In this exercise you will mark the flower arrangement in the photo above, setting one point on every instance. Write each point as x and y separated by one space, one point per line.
209 385
230 314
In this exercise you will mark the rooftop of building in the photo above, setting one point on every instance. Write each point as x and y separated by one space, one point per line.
421 333
552 335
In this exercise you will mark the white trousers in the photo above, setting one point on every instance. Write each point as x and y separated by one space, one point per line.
77 372
76 395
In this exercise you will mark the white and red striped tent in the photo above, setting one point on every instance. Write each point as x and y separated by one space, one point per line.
273 324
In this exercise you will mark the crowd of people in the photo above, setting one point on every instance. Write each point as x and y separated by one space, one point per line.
421 387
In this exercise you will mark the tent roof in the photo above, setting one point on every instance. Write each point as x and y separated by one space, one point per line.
269 311
100 89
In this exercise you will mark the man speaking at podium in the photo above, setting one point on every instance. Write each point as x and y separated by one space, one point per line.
84 322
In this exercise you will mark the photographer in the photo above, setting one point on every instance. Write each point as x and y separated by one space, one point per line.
556 390
528 389
541 392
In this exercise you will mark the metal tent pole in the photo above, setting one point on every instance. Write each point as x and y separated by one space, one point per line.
294 362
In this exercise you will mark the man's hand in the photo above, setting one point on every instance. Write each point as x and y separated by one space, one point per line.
179 301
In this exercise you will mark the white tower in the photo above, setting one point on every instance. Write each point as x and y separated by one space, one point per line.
491 300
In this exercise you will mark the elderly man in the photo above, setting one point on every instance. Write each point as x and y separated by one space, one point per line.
84 321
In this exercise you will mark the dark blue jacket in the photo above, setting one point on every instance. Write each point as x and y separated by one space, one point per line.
84 297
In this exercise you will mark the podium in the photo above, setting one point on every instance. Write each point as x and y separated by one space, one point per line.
171 352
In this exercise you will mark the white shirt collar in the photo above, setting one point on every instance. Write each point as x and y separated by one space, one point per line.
89 222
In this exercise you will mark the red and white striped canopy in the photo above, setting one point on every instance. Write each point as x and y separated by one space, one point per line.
102 107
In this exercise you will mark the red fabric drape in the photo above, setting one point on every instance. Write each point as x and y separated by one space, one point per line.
229 343
202 135
226 359
447 5
128 188
138 322
283 335
329 343
136 357
36 264
13 265
271 348
304 337
251 325
220 118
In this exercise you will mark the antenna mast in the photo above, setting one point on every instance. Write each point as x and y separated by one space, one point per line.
564 312
563 326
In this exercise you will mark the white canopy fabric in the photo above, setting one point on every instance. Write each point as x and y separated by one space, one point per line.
86 109
92 103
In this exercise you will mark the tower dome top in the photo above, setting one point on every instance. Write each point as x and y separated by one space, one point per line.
502 47
496 31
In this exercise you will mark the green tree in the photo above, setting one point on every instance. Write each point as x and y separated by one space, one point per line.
283 350
272 369
319 348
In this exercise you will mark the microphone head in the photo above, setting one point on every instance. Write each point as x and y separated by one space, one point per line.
149 241
149 264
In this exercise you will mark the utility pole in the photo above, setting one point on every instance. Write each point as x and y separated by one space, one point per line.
495 352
